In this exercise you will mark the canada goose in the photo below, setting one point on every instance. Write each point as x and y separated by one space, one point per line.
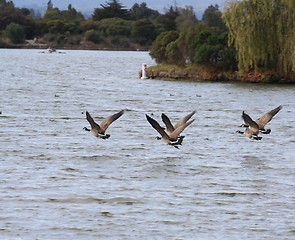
99 130
264 119
252 129
171 139
169 127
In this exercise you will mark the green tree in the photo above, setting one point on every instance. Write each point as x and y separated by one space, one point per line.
52 14
167 21
9 14
174 54
186 19
159 46
49 5
144 32
56 21
210 47
263 34
112 9
93 36
114 27
140 11
56 26
15 33
212 17
71 14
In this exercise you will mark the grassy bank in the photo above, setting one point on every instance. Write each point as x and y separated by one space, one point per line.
209 73
189 72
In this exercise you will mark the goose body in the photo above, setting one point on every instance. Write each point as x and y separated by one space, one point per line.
252 129
264 119
99 130
173 138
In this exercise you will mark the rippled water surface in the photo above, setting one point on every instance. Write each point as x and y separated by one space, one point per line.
60 182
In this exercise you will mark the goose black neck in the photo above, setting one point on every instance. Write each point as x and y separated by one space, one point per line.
86 129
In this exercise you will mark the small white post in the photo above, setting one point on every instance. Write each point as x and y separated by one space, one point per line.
143 71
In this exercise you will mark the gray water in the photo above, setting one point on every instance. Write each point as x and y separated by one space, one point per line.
60 182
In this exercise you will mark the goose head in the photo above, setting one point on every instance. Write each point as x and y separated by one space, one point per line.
86 129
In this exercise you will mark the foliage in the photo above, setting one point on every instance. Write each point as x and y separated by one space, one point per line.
217 55
114 27
93 36
144 32
141 11
139 25
167 21
159 48
15 33
196 42
186 19
120 42
212 17
174 54
249 35
263 34
10 14
112 9
210 47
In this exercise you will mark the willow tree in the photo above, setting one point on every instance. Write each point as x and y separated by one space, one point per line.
263 33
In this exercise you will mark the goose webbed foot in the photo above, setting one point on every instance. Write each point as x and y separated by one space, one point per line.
105 137
265 131
256 138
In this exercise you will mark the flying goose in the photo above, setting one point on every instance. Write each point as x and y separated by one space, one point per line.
169 127
252 129
171 139
99 130
264 119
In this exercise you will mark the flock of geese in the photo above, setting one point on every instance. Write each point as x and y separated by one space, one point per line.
171 134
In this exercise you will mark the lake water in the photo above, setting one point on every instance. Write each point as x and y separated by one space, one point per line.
60 182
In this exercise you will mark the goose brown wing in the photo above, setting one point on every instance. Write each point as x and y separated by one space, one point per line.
92 123
265 118
253 126
184 119
168 124
109 120
157 127
180 129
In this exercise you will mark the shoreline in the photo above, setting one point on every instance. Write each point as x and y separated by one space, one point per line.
30 44
199 73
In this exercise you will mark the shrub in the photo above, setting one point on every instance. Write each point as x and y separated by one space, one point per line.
159 47
93 36
15 33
